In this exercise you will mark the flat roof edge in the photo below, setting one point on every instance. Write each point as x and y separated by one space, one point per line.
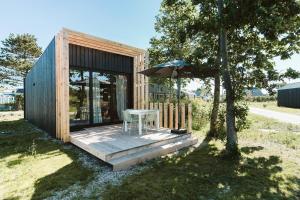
104 40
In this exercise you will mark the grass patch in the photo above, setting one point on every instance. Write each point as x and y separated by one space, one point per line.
204 174
264 171
272 105
34 166
265 130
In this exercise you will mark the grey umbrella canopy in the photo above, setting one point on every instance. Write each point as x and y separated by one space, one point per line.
178 69
173 69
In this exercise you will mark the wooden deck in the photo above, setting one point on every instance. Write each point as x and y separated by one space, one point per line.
122 150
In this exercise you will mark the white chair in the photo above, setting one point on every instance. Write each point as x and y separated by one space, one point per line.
131 121
149 121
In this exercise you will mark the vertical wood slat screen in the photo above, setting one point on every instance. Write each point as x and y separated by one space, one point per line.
169 116
140 82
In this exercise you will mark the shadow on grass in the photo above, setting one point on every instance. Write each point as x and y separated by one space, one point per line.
203 174
25 143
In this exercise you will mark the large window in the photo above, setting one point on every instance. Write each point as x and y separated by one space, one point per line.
104 102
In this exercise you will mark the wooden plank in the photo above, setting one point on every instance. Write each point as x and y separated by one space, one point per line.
65 88
134 82
151 106
102 47
146 61
176 116
160 106
138 82
142 82
190 117
102 40
171 115
57 85
166 115
182 106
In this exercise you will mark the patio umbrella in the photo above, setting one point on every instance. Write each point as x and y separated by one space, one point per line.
173 69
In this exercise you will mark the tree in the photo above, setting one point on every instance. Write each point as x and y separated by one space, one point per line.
246 34
291 74
251 33
17 55
175 42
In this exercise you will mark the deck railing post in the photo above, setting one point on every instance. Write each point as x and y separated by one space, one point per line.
171 115
182 116
160 114
176 116
190 117
166 115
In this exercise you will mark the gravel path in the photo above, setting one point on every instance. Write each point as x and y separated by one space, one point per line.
280 116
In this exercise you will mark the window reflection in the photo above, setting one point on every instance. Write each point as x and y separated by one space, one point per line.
79 101
109 97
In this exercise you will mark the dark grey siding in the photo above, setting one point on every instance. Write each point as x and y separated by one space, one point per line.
40 92
101 60
289 98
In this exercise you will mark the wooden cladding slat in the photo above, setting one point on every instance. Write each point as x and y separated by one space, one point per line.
176 116
160 107
189 117
142 82
135 96
62 87
182 108
146 65
166 115
171 108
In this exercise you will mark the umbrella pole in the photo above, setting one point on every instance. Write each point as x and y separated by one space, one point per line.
178 101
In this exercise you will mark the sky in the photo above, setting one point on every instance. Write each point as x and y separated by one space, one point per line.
126 21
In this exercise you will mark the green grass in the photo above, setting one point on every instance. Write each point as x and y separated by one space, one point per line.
34 166
269 168
269 130
272 105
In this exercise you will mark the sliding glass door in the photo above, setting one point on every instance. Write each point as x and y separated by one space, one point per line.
109 97
97 97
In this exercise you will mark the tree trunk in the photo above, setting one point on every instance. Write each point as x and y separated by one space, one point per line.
231 143
213 132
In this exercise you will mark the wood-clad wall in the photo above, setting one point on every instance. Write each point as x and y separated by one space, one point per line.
40 104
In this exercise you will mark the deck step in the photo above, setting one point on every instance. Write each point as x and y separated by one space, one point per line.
120 154
146 154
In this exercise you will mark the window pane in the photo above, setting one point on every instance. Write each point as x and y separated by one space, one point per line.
79 101
109 97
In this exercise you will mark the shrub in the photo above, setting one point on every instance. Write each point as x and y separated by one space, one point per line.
261 98
200 113
241 113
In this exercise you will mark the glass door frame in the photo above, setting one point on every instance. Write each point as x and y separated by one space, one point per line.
90 96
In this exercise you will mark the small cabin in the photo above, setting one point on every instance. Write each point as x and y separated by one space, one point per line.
81 81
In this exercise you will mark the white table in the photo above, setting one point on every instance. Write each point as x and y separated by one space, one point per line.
140 114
